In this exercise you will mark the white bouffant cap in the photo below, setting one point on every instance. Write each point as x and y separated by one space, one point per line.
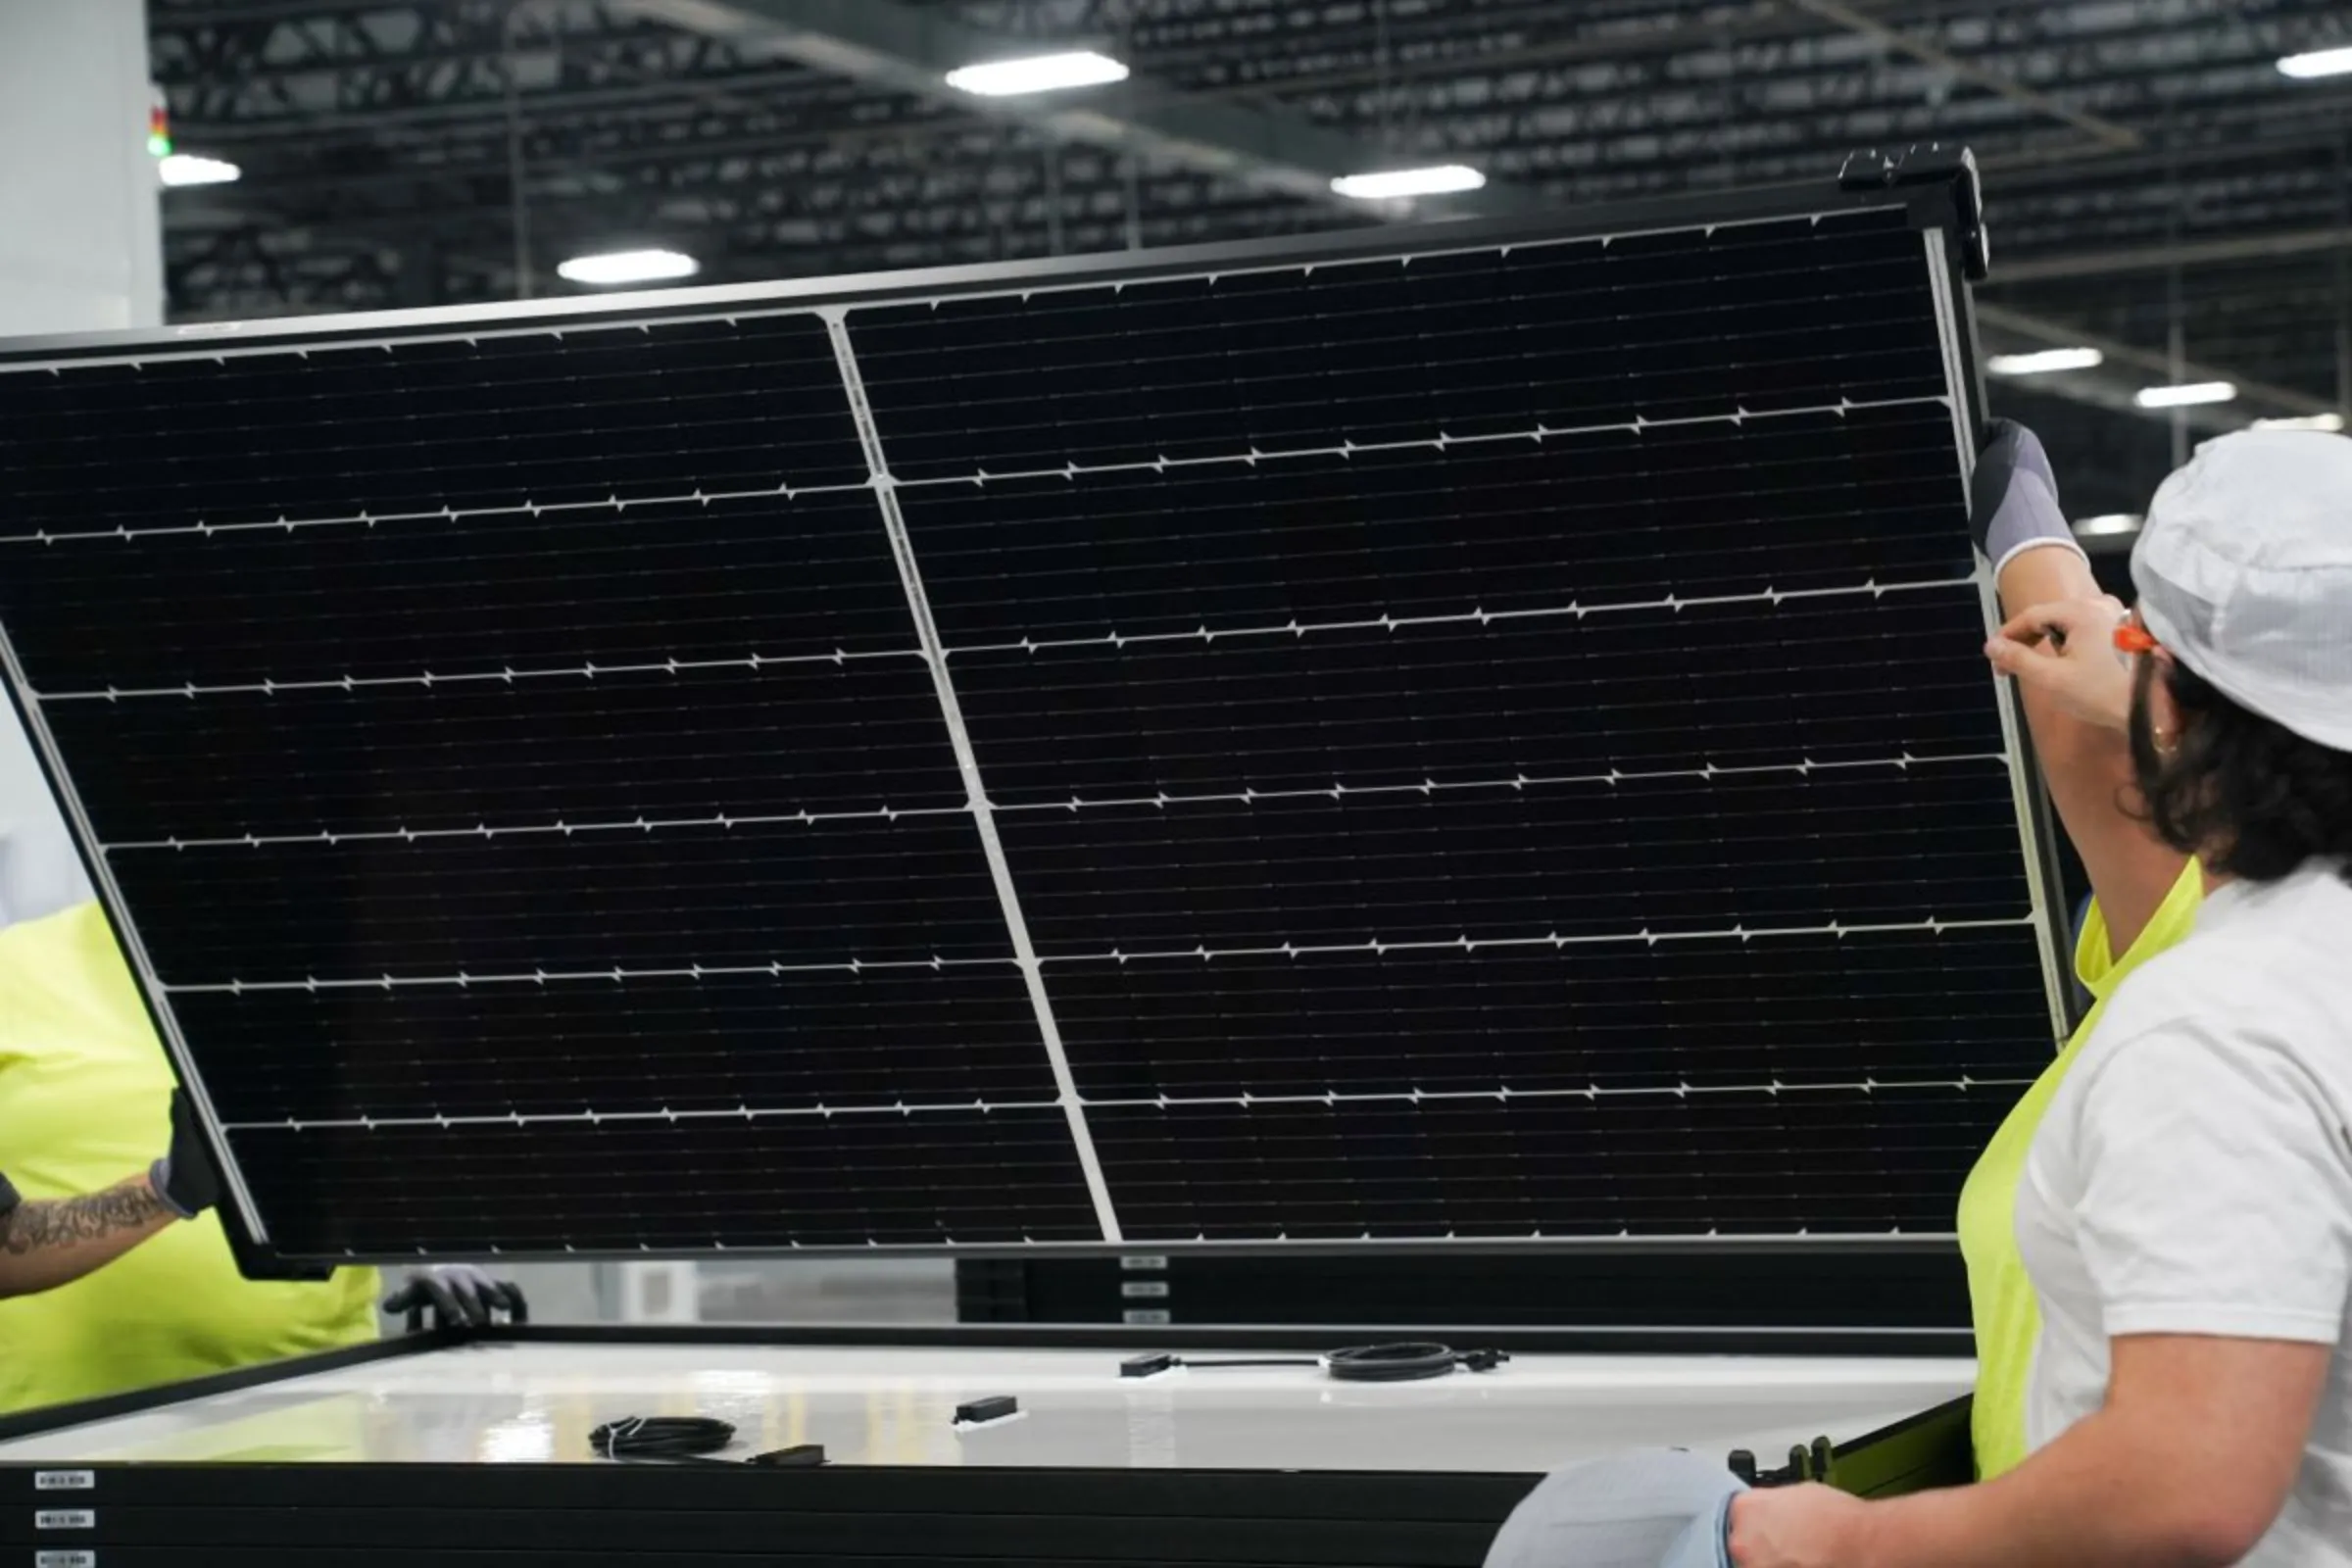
2244 572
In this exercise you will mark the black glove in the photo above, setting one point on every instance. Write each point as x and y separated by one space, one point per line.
2013 497
184 1178
456 1293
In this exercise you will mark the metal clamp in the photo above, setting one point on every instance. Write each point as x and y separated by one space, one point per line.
1930 163
1817 1463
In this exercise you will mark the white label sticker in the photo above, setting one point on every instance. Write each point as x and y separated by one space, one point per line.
1144 1290
1137 1318
64 1559
1144 1263
65 1519
64 1480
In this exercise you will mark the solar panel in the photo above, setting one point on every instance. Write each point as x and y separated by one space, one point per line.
1426 736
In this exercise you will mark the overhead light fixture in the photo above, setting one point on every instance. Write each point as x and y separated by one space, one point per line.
1010 78
2185 397
2114 523
613 267
2046 362
186 168
2319 63
2329 424
1394 184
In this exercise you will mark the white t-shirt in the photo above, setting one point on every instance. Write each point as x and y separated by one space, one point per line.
2194 1176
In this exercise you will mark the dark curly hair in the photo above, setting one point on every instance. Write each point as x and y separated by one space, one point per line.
2253 798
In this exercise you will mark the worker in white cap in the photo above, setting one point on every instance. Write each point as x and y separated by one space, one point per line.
2186 1208
2145 895
1642 1508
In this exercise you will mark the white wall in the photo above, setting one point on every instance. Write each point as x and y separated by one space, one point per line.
80 246
80 250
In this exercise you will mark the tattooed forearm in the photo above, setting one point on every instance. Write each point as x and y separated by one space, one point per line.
37 1226
45 1243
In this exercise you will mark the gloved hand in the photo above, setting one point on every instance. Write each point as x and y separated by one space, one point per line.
456 1293
1630 1511
184 1178
2013 497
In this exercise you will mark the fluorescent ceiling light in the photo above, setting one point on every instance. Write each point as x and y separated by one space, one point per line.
2046 360
2332 423
2182 397
628 266
2319 63
2113 524
1392 184
1008 78
186 168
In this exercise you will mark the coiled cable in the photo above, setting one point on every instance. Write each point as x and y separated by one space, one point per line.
690 1440
1409 1361
661 1436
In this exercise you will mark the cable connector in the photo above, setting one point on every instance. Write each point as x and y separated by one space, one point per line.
1148 1367
980 1412
800 1456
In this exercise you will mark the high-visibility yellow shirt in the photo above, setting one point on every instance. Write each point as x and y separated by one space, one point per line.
85 1102
2008 1319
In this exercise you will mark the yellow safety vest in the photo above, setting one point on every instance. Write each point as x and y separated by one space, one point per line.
84 1101
2008 1319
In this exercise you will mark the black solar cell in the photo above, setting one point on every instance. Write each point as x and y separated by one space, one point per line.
591 754
461 424
796 1041
1477 742
650 1184
793 894
461 598
1736 1162
1795 501
1711 1012
1687 325
1877 845
1542 697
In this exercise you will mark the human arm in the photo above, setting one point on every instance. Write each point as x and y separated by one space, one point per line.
2209 1190
48 1243
2085 757
2185 1466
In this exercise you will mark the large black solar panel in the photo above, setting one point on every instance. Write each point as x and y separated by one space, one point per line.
1428 736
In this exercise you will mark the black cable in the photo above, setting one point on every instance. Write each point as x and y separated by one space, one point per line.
687 1440
661 1436
1407 1362
1402 1363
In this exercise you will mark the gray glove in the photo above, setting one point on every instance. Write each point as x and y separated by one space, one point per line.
1624 1512
2013 497
455 1293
